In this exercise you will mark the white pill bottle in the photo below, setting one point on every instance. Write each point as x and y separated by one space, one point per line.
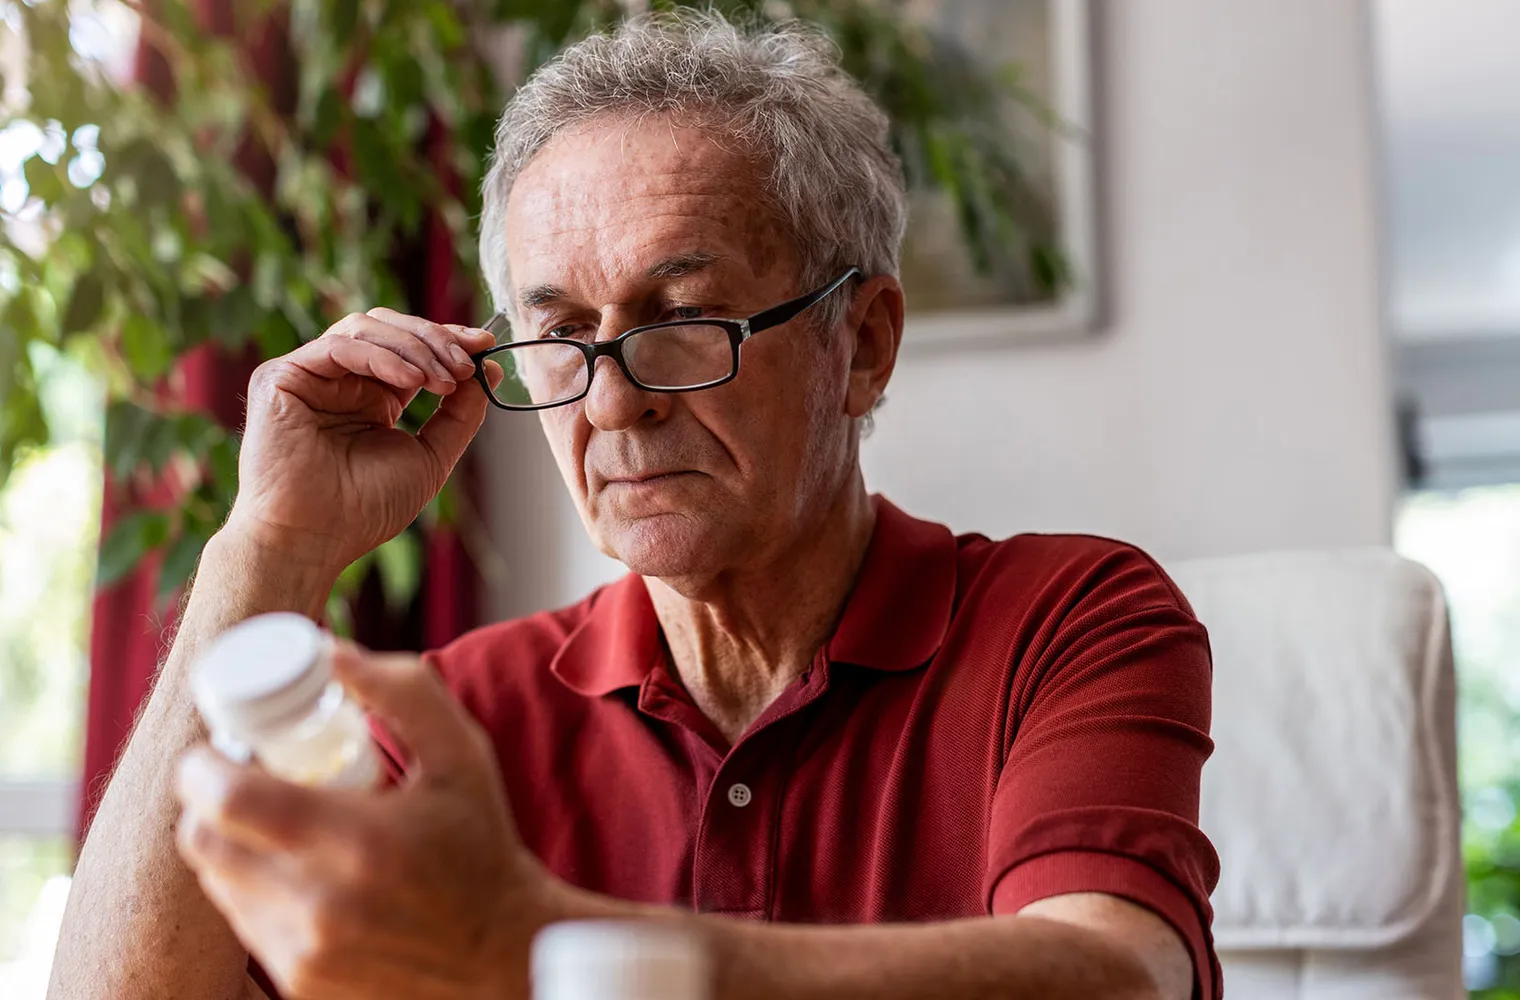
619 960
266 690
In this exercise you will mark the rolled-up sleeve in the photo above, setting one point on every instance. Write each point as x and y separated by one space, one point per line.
1108 737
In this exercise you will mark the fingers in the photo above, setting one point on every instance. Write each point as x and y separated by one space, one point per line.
403 352
225 869
440 353
494 373
205 849
475 339
372 360
451 346
455 423
413 703
248 806
331 358
401 342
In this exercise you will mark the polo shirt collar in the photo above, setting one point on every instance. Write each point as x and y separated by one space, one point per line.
899 609
616 645
895 618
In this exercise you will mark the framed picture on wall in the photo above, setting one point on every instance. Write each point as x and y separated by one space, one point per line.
1047 47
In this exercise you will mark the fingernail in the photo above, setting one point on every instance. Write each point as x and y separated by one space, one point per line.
442 372
460 357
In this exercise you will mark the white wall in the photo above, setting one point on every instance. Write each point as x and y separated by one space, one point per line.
1450 100
1237 399
546 560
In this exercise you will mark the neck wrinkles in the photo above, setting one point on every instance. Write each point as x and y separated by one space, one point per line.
738 647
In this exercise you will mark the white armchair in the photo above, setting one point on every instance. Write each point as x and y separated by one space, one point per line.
1332 794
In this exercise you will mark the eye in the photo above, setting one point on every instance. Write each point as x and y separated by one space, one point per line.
687 312
568 331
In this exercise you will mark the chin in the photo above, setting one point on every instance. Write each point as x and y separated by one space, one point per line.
666 545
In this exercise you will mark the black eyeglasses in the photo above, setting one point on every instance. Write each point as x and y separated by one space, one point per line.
678 356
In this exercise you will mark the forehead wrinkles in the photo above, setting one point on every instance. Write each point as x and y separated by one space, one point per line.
613 190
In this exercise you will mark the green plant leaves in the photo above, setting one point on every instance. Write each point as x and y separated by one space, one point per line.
146 348
45 180
179 562
399 562
223 216
326 116
343 20
128 428
86 303
22 422
137 437
223 461
234 316
448 32
128 541
152 176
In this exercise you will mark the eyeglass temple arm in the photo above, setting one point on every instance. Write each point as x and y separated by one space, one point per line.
776 315
495 326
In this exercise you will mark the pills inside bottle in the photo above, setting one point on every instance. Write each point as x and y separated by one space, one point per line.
266 690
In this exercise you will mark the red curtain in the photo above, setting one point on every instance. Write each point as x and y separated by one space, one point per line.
128 633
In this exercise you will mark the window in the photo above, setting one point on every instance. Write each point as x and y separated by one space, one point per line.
1449 99
1471 540
49 524
49 530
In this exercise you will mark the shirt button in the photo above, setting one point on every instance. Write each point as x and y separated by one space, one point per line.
739 794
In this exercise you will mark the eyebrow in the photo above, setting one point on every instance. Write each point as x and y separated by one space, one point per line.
677 266
683 264
539 295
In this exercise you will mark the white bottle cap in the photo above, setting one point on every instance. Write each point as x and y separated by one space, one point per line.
260 673
619 960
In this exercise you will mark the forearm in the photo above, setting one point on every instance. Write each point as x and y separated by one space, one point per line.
1000 958
1008 958
137 925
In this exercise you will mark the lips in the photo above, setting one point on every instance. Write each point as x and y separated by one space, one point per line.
645 477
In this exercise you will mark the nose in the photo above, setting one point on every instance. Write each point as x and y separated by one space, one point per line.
613 403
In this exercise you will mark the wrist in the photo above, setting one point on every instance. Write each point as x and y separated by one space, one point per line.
260 576
269 543
535 899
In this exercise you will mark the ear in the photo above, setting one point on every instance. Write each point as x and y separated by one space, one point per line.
876 323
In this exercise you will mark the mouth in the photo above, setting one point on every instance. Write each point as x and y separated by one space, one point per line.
648 479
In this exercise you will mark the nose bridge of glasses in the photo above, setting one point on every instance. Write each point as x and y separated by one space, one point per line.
606 356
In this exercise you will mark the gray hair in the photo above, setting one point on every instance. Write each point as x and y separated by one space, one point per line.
777 91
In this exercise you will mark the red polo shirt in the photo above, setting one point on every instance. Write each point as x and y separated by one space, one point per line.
991 724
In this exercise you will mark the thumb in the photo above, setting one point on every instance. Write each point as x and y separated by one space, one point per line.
406 695
457 420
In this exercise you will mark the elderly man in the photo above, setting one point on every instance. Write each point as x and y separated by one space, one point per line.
862 756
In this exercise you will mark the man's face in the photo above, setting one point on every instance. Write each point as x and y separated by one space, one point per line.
618 225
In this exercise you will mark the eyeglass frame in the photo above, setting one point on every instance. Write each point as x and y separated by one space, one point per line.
739 330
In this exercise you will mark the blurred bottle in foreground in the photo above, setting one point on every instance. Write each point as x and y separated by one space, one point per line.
616 960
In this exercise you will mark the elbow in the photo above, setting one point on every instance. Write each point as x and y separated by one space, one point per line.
1131 980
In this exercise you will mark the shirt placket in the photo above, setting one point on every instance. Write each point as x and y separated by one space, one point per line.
734 862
